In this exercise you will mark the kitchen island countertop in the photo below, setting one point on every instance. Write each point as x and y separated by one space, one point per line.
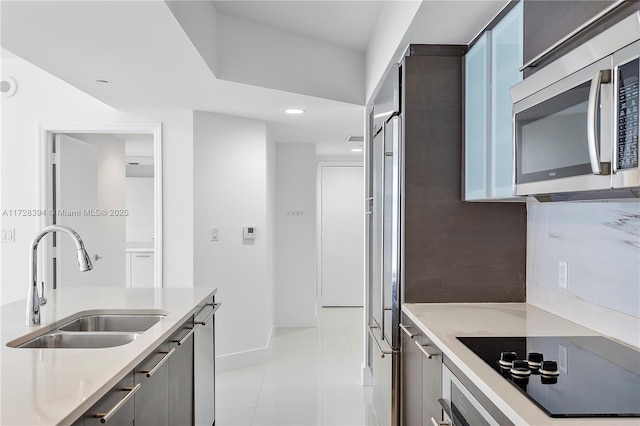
442 323
56 386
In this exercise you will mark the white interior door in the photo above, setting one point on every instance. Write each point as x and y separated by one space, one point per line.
342 236
90 198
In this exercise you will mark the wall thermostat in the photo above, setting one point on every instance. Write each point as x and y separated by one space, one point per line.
249 232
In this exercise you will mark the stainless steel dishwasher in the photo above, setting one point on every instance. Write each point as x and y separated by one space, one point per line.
204 365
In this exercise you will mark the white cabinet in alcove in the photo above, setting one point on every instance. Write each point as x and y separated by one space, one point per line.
140 268
492 67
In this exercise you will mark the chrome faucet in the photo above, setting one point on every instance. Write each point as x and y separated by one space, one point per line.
35 300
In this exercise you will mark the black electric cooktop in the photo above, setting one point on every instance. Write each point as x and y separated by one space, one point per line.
583 376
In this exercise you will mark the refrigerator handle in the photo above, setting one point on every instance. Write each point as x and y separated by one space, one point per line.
383 352
382 240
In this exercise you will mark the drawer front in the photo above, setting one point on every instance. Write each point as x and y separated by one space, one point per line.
152 400
431 381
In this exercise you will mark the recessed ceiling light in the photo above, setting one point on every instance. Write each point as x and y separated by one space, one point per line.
294 111
356 150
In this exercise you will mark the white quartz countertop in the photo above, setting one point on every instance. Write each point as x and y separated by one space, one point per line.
442 323
56 386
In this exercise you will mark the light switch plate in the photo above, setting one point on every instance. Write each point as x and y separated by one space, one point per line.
215 234
8 235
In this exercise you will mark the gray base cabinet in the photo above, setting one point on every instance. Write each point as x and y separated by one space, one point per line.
422 377
162 389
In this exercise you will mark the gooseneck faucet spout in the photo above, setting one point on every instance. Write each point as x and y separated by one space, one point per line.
35 300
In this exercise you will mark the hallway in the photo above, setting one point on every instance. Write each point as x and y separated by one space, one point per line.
312 378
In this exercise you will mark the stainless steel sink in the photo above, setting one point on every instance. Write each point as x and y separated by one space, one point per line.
92 330
128 323
58 339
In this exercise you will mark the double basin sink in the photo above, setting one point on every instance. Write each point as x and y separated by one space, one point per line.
93 331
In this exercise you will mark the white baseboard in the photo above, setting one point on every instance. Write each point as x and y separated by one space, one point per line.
244 359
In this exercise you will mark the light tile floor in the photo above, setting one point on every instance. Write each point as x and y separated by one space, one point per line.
312 378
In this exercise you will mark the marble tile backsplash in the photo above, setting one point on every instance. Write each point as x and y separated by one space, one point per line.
601 244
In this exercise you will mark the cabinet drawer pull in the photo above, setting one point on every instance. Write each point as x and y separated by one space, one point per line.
406 330
437 423
213 311
141 255
186 336
424 351
104 417
164 359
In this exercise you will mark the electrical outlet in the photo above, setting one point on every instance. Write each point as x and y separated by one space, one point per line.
563 274
563 360
214 233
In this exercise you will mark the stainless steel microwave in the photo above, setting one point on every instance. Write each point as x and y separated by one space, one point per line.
575 122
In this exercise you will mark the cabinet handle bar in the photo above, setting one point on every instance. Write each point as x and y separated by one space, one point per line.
186 336
406 330
104 417
150 373
213 311
434 422
424 351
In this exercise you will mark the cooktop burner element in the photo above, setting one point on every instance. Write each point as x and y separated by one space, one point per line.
583 376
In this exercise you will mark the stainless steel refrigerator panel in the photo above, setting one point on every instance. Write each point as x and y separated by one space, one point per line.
387 100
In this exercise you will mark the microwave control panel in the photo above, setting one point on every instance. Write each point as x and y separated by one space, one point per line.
628 113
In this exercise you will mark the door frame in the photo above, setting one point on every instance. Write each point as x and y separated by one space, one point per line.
322 164
45 170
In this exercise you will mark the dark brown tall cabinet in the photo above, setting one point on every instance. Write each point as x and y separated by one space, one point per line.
454 251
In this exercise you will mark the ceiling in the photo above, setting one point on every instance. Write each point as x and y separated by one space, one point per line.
151 63
346 23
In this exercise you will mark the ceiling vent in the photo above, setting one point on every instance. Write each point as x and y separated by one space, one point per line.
355 138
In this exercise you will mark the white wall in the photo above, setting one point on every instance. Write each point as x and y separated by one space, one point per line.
231 188
601 243
394 20
44 99
199 20
296 280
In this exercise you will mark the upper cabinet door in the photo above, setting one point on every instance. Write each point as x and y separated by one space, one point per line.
476 129
506 60
492 68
